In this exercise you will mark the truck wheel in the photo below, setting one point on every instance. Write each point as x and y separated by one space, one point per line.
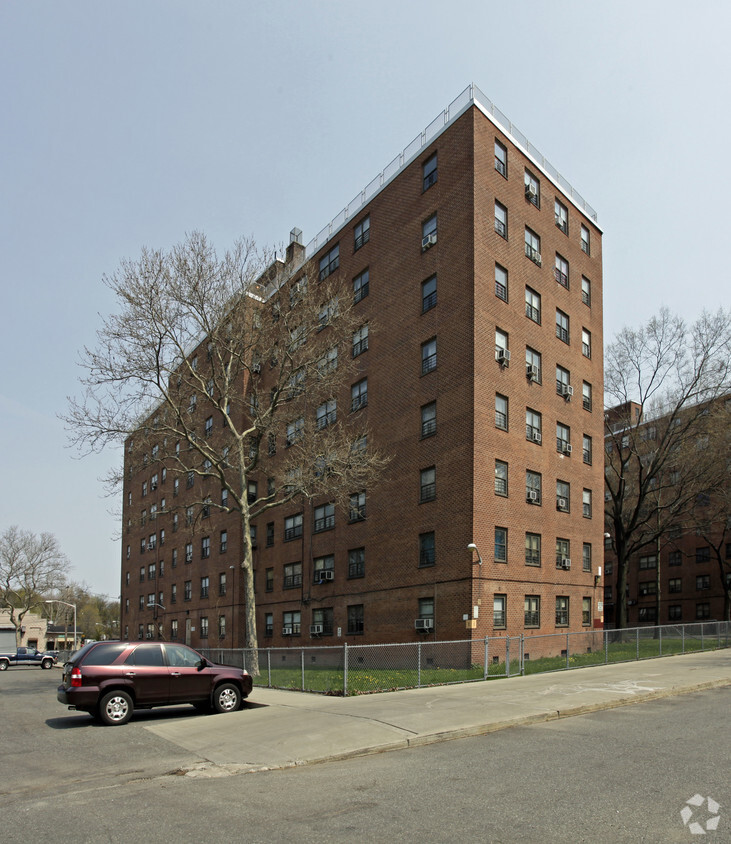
226 698
4 664
47 663
115 708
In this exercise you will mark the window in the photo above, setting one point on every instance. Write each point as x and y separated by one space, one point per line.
675 584
501 545
224 497
532 611
293 527
362 233
429 172
532 305
357 508
208 426
329 262
359 395
221 626
501 346
561 213
533 364
586 556
326 414
501 478
269 580
291 623
586 504
188 552
429 419
533 246
501 159
501 282
174 593
647 614
532 189
586 395
222 583
324 518
429 356
428 294
702 581
174 561
269 624
586 611
563 377
205 547
702 611
675 558
675 612
703 554
187 590
648 562
501 219
586 449
562 611
426 608
562 326
532 425
190 480
204 587
428 484
533 487
533 549
499 614
585 243
356 562
585 291
327 363
323 617
322 565
563 555
355 620
292 575
586 343
427 549
429 233
563 496
360 286
501 412
561 271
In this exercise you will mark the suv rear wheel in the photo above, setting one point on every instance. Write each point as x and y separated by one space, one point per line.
115 708
47 663
226 698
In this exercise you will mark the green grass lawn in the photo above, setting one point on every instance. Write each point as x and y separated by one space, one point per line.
329 680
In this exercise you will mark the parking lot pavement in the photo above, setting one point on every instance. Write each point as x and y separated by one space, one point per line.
282 728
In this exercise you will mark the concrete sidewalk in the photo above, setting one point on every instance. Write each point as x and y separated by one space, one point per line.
279 729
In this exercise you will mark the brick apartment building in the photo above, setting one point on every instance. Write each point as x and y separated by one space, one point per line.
677 578
482 270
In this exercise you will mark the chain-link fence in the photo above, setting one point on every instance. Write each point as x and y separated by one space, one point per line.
360 669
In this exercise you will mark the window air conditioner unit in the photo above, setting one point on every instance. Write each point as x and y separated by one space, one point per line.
326 574
286 631
424 623
562 504
530 191
315 629
150 546
536 436
567 391
565 563
567 448
502 356
428 241
531 371
532 496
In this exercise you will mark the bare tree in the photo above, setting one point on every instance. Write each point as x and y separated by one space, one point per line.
659 382
31 567
233 372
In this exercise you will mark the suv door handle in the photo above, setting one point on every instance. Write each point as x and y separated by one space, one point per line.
129 674
175 674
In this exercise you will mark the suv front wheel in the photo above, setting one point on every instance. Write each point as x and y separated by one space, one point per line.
226 698
115 708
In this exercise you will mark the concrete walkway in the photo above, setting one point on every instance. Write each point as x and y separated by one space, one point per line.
279 729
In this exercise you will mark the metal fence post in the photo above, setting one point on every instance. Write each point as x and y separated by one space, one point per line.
269 667
302 666
682 638
486 664
637 642
567 650
660 639
702 648
507 656
606 646
345 669
418 669
522 655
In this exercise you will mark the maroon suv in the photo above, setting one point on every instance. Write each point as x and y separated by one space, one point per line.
111 679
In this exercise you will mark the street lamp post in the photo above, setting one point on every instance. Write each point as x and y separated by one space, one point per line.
66 603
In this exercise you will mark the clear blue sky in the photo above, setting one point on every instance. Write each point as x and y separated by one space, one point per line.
129 124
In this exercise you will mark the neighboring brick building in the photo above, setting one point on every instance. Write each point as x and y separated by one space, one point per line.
482 279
